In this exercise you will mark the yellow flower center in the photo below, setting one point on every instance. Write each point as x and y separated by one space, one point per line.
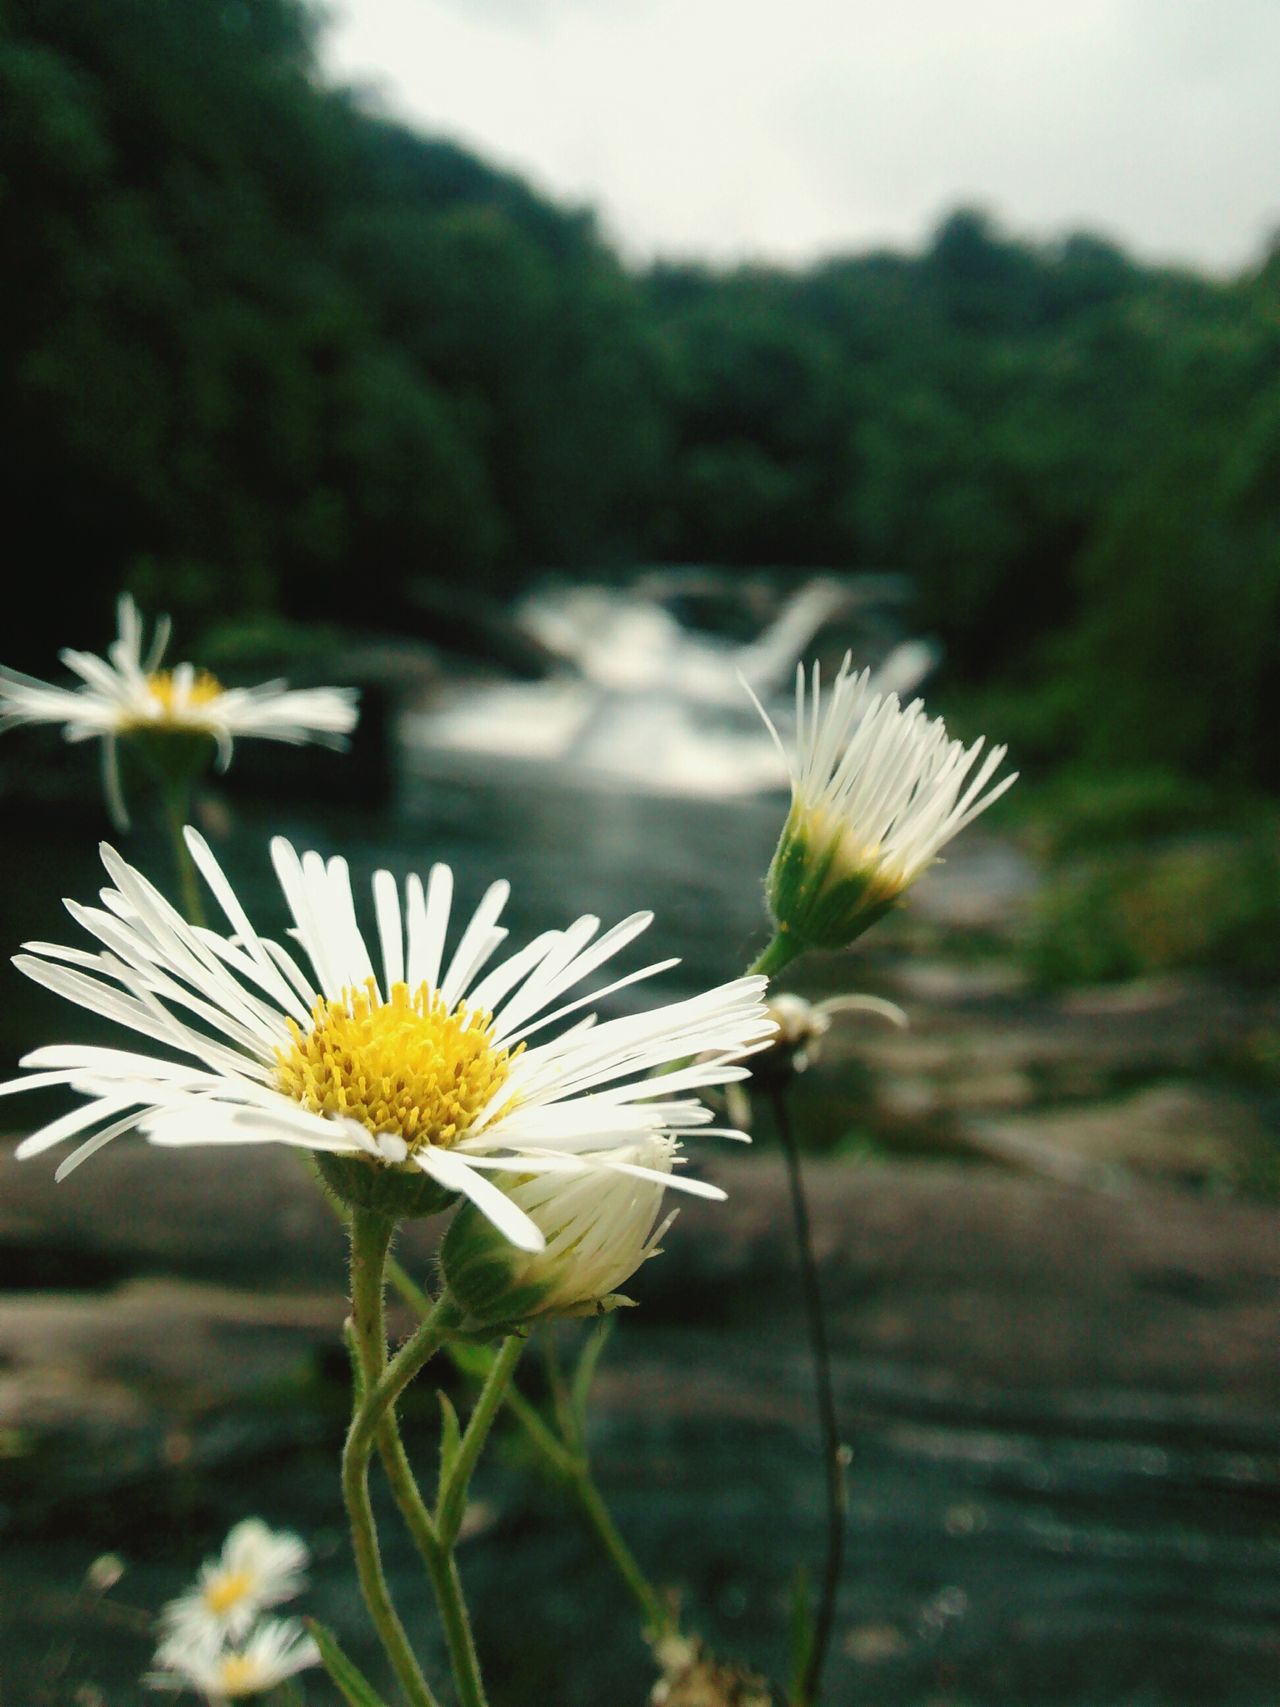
225 1591
240 1674
203 689
407 1065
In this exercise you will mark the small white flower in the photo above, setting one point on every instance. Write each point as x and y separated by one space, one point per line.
798 1042
128 694
258 1567
877 790
430 1067
802 1024
274 1651
598 1226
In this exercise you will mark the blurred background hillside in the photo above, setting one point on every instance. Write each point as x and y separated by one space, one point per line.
355 404
266 354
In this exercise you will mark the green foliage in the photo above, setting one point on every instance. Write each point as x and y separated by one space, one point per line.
1207 903
1091 810
259 344
266 354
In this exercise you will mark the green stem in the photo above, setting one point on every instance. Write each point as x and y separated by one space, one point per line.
439 1561
433 1537
177 804
778 955
658 1617
370 1239
391 1378
568 1463
808 1685
453 1490
541 1438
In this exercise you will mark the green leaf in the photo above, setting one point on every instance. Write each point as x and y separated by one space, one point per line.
355 1688
800 1631
450 1437
584 1374
475 1360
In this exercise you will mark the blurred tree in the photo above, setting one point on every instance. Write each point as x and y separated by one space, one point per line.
263 350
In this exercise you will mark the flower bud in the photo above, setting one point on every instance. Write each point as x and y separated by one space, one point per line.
877 790
599 1224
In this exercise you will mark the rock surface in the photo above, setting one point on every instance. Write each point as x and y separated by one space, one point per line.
1062 1402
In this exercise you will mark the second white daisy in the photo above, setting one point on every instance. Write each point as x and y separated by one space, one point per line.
128 695
429 1065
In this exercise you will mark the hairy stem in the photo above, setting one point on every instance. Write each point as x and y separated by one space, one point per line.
370 1239
779 954
453 1487
567 1461
439 1561
433 1536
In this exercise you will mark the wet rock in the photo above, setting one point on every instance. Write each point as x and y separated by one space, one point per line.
1186 1133
947 983
1057 1398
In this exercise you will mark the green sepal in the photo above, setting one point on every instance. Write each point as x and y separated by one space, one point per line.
812 898
169 755
352 1685
846 908
487 1274
398 1193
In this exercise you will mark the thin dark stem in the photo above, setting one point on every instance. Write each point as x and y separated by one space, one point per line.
833 1452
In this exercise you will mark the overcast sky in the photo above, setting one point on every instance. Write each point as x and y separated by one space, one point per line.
732 128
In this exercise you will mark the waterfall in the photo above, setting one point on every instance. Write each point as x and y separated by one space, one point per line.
645 701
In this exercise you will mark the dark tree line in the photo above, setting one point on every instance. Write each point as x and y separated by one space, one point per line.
262 350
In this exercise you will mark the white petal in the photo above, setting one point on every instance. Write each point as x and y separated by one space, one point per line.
451 1172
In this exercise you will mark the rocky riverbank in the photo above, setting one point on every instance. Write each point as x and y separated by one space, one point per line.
1048 1236
1063 1401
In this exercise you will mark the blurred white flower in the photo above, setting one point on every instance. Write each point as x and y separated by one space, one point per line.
274 1651
877 790
420 1074
258 1567
599 1228
128 694
802 1024
802 1030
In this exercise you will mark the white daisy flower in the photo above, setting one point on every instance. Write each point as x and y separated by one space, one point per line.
128 694
258 1567
430 1065
599 1227
877 790
277 1649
